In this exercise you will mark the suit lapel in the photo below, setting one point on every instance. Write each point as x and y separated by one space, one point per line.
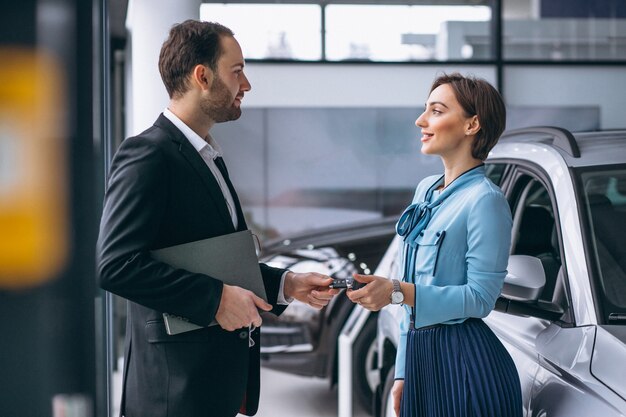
195 160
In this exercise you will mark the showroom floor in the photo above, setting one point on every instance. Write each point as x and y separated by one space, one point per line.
284 395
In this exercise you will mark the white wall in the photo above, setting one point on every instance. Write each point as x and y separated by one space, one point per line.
148 23
570 86
337 85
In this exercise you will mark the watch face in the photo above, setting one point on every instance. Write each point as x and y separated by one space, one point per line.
397 297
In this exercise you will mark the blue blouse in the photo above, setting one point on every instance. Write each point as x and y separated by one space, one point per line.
462 254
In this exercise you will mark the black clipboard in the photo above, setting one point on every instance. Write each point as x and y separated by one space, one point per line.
230 258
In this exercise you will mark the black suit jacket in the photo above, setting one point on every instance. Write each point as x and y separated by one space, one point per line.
161 193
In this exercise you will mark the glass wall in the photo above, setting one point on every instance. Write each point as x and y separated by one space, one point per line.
302 168
406 33
315 135
397 31
565 30
380 31
562 53
306 168
271 31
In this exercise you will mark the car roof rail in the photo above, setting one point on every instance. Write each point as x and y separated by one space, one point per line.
561 138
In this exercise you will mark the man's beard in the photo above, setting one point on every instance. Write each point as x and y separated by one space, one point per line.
219 106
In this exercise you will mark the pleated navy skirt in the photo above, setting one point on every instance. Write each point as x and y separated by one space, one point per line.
459 370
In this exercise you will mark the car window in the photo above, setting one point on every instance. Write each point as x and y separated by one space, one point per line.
604 191
495 172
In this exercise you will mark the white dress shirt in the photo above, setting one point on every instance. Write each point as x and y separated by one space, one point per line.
209 149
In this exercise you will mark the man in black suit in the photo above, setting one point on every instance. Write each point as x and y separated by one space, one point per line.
167 186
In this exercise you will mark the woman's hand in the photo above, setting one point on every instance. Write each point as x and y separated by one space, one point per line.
374 295
396 394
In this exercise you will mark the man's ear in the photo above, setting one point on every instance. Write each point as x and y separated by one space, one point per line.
202 76
472 126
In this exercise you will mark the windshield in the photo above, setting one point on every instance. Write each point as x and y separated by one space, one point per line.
604 190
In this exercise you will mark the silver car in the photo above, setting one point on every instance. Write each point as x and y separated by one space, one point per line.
562 311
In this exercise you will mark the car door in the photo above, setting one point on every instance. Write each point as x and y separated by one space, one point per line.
535 233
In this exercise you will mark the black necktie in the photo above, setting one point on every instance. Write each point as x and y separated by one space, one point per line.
219 162
222 167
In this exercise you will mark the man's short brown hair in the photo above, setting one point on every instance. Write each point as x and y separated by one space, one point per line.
478 98
189 43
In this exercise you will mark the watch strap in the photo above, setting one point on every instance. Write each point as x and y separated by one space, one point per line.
397 297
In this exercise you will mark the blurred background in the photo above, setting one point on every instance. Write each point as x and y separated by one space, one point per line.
327 137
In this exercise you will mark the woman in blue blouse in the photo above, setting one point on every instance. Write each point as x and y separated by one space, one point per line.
457 235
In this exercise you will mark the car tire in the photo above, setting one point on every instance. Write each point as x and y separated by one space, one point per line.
386 408
364 364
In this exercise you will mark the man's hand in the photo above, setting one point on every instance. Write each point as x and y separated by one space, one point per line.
374 295
239 308
310 288
396 394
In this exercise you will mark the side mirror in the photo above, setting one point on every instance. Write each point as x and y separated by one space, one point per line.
525 280
521 290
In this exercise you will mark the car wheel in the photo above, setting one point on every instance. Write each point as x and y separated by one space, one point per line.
364 365
387 400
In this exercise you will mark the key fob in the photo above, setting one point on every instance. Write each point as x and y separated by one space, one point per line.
339 283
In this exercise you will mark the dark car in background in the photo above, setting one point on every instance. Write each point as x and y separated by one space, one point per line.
303 340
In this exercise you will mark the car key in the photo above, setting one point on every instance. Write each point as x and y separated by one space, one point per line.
339 283
342 283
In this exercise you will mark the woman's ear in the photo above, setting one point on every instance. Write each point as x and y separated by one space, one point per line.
202 76
472 126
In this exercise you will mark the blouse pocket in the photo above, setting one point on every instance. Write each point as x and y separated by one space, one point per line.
429 244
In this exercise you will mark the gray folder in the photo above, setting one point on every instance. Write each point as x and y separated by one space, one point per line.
230 258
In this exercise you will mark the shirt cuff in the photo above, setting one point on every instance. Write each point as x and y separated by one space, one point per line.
281 299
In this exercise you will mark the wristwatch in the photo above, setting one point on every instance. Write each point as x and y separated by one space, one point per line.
396 295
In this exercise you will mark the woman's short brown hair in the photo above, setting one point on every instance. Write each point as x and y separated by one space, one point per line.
478 98
189 43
